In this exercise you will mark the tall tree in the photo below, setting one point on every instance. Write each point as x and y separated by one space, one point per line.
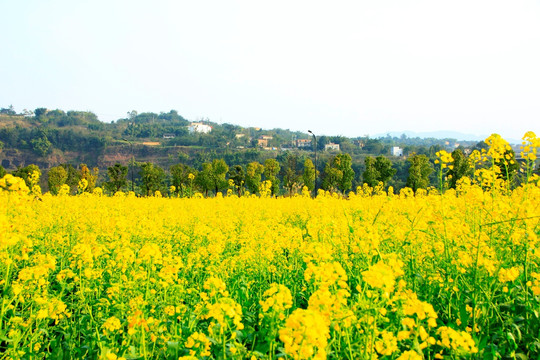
344 163
370 175
73 176
460 168
213 176
254 172
152 177
238 176
56 177
219 173
271 170
419 172
309 174
181 179
291 176
339 168
89 175
384 169
508 165
332 177
204 178
117 177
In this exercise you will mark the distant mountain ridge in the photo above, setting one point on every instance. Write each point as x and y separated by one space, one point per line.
442 134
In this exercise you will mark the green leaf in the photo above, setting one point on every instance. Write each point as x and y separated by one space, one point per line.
511 340
517 332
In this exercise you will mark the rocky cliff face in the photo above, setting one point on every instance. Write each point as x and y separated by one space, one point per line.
12 159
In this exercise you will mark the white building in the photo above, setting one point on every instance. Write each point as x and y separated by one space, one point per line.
397 151
331 146
199 128
303 143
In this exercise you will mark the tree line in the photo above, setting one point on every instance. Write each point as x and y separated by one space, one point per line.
288 175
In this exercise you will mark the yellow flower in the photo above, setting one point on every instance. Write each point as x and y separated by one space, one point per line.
387 344
198 345
508 275
278 299
456 340
410 355
111 325
305 335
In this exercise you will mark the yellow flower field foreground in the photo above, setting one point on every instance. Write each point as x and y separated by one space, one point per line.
374 276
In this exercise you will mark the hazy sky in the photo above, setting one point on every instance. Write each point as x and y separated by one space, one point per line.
336 67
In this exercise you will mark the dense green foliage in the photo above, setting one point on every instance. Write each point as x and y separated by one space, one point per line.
49 138
419 172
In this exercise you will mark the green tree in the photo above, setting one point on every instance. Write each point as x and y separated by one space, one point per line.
508 165
378 170
331 178
3 172
370 175
73 176
180 178
39 113
117 177
219 173
291 176
460 168
309 174
254 171
238 176
385 169
271 170
213 176
8 111
56 177
41 145
25 173
89 175
204 178
339 173
152 177
419 172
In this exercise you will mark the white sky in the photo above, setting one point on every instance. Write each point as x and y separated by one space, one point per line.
334 67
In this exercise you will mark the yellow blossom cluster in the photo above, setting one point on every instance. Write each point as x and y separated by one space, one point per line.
508 275
13 183
112 324
278 298
198 345
444 158
305 335
530 146
457 340
382 275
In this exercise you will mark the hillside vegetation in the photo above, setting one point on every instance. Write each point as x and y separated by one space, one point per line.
50 138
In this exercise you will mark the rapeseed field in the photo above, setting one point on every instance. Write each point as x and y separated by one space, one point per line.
436 274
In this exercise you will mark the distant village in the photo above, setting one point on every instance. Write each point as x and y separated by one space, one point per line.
264 140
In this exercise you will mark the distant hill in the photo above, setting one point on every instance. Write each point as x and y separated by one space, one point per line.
443 134
51 137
